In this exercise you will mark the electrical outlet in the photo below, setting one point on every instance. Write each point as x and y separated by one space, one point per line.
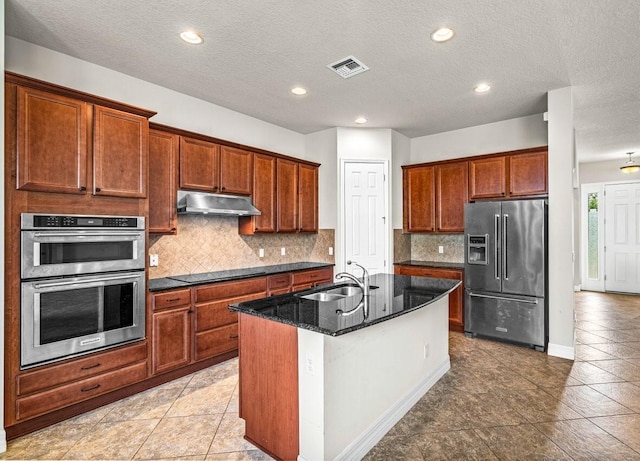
153 260
440 249
261 252
309 365
283 251
330 251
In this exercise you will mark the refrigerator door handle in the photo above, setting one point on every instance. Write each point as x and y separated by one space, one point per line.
527 301
505 269
497 247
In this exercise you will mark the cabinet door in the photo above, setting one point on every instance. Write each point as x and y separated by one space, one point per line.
452 194
120 153
419 199
264 192
308 198
199 165
52 142
236 168
287 195
171 339
528 174
487 178
163 169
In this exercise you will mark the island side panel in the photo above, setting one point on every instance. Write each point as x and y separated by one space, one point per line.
268 368
355 387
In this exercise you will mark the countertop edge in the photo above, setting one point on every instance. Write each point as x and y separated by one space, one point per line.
166 283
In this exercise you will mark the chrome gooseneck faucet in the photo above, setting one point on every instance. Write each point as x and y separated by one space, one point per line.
364 286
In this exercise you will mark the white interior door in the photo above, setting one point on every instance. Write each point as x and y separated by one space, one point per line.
365 220
622 237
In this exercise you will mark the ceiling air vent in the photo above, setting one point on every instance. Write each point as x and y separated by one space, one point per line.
348 67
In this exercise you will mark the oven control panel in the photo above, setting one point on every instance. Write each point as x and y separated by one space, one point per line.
38 221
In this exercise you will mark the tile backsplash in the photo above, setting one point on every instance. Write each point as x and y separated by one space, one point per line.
212 243
424 247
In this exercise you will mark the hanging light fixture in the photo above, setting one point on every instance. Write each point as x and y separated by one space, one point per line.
630 166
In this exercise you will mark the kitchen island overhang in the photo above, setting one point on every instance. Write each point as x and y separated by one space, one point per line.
315 384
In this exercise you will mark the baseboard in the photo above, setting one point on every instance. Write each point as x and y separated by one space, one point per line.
577 288
564 352
374 433
3 441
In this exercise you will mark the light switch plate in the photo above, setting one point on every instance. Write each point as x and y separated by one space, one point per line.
153 260
440 249
283 251
261 252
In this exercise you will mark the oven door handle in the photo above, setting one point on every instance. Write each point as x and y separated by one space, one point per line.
88 234
84 281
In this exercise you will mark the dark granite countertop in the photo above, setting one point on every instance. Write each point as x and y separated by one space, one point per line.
396 295
184 281
438 264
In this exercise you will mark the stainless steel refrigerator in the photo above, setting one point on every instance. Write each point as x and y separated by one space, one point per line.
505 271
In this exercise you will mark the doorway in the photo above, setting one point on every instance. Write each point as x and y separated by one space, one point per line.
610 235
364 224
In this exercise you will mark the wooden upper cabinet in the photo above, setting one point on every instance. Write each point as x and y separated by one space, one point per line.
419 206
528 174
199 165
451 195
236 171
264 197
488 177
163 169
52 134
512 175
308 198
287 195
120 153
210 167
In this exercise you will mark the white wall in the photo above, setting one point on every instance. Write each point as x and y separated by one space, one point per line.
322 147
513 134
401 147
173 108
609 171
561 234
3 435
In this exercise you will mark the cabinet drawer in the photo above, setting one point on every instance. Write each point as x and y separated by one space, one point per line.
279 281
58 397
216 313
171 299
231 289
84 367
314 276
217 341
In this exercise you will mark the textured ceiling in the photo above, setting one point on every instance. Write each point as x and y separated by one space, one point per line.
255 51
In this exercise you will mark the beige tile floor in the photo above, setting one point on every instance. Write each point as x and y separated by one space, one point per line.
498 402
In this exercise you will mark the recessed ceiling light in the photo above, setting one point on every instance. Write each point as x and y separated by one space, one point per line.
298 90
360 120
191 37
443 34
482 88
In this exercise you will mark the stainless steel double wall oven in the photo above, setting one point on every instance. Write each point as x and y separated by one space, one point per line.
82 284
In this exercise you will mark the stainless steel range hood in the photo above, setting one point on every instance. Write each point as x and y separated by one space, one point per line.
217 204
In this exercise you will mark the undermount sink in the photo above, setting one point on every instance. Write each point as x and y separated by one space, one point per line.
323 296
336 293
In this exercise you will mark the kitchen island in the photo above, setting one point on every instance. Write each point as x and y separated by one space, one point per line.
321 380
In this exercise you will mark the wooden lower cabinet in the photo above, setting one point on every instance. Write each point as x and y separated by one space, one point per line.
456 297
49 388
311 278
216 328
